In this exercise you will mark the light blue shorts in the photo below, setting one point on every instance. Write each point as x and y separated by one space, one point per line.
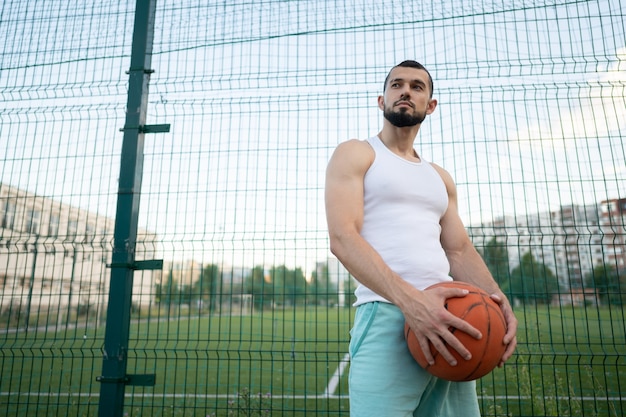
386 381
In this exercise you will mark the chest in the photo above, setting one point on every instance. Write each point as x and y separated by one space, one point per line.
401 185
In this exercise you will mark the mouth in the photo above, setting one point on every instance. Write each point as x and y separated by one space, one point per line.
403 103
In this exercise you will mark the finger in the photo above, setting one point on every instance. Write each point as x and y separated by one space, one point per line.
511 331
454 343
509 317
510 349
428 355
453 292
463 326
444 352
511 326
496 298
440 346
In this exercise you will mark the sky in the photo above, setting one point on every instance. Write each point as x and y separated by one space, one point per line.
531 113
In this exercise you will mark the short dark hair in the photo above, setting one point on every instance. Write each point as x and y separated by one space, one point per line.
411 64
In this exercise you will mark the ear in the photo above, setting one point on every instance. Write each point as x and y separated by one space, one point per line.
432 104
381 103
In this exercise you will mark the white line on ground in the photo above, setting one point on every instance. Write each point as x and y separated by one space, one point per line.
287 396
334 380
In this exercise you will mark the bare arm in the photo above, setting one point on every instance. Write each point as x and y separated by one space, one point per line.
344 214
424 311
467 265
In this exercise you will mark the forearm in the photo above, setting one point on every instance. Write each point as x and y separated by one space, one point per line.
367 266
468 266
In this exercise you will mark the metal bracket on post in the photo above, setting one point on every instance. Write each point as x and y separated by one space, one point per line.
146 380
144 70
148 265
162 128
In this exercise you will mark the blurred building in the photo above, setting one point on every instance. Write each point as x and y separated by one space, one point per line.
613 227
571 241
54 256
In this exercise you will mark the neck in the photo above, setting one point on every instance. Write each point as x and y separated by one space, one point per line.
400 140
400 136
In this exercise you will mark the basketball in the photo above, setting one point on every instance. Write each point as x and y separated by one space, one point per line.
478 309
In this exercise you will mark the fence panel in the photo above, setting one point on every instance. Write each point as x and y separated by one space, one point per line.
250 313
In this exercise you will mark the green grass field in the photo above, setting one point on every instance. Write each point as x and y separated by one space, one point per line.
570 362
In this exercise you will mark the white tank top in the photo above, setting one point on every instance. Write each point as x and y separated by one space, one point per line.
403 203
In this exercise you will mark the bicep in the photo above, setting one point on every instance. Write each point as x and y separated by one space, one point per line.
454 237
344 188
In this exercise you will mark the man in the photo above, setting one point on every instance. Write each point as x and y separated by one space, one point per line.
393 223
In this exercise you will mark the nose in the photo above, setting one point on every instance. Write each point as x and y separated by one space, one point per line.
405 95
405 92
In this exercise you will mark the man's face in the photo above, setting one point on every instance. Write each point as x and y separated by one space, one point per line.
407 101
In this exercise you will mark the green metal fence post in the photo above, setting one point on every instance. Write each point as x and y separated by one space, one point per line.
115 354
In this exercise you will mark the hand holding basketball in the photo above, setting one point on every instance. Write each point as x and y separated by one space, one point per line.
479 310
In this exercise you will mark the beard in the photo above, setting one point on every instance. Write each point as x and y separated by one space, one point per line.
403 118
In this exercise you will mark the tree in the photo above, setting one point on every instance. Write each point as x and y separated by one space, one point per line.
321 290
294 286
256 285
185 294
532 280
281 285
314 286
168 292
207 287
289 286
496 256
606 280
600 279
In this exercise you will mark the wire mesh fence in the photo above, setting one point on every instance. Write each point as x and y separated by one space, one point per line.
250 314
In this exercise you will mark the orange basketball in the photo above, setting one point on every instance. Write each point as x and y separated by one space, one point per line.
484 314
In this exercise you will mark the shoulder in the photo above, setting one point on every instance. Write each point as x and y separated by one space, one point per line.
355 146
354 153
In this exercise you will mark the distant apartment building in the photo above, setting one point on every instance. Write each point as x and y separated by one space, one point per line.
571 241
577 243
613 226
54 256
